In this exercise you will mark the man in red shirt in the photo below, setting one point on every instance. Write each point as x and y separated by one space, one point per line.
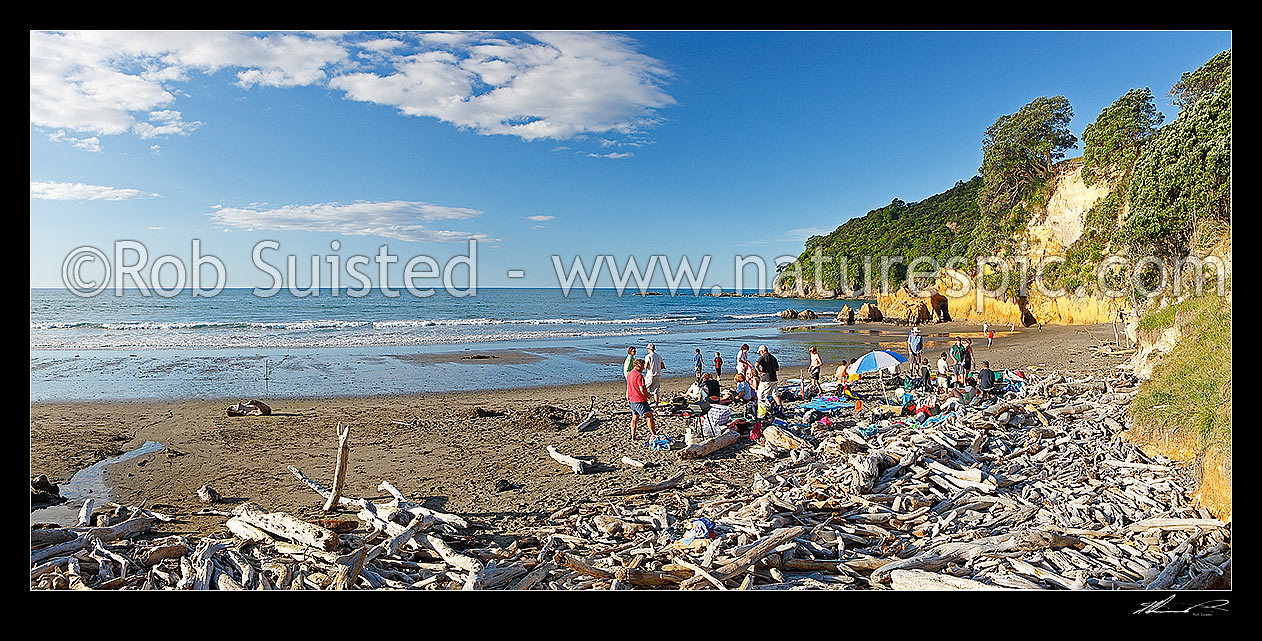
638 398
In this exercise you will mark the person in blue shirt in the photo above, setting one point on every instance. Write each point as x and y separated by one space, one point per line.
914 345
699 361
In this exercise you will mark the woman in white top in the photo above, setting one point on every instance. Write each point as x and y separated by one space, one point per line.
745 367
944 371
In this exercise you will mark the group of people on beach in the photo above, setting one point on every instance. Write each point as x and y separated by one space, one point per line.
754 379
758 379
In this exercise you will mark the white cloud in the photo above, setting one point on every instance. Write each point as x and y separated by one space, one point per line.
80 191
92 144
611 155
96 81
558 86
540 219
401 220
550 85
165 123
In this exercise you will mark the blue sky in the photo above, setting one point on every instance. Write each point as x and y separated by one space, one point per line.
535 144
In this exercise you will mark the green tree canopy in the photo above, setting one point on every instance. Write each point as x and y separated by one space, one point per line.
1183 176
1113 142
1194 86
1018 151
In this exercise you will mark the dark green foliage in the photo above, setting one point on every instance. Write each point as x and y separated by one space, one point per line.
1194 86
1112 143
1183 175
1019 150
938 227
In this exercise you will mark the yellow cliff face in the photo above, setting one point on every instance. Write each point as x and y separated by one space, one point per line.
963 305
1067 206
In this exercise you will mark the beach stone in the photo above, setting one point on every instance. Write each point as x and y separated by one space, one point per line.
870 312
482 412
808 315
44 491
789 314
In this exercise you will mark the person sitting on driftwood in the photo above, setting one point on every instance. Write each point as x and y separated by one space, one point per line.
986 381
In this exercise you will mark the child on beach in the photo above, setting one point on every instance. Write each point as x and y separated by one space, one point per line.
743 391
816 364
697 360
638 399
718 366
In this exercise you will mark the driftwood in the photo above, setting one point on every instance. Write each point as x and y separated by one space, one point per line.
287 527
710 445
339 472
578 466
645 488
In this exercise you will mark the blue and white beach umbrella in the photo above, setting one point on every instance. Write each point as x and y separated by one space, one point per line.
879 359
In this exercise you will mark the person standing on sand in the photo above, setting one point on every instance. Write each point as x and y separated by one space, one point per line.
968 356
653 367
638 399
990 337
718 366
943 371
914 345
627 364
817 363
698 362
745 367
957 360
767 367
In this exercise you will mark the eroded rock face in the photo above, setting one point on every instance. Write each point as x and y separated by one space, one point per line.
808 315
789 314
871 313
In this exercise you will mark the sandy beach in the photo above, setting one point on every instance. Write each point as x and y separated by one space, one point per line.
449 450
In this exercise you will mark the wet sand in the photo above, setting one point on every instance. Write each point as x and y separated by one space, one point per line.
432 446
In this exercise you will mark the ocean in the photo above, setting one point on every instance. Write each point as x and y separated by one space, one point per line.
238 345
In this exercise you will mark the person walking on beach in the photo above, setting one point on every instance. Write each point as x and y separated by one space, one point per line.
817 363
638 399
653 367
926 378
767 367
914 345
698 362
627 364
718 366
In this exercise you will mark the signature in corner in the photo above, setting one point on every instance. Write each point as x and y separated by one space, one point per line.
1202 609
